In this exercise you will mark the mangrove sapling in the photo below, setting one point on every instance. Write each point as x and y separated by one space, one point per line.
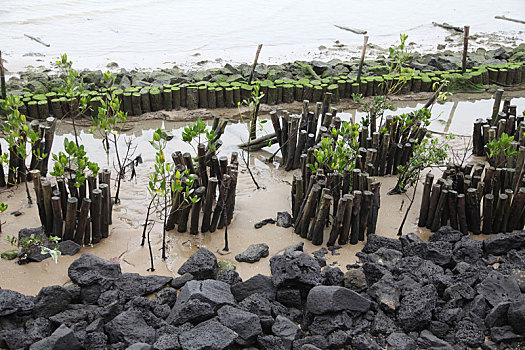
74 161
107 122
47 245
338 153
73 89
501 149
18 134
397 78
253 111
428 153
164 181
3 207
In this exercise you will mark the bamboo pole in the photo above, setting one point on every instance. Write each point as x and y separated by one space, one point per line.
500 212
210 197
473 211
96 218
46 195
434 199
104 210
57 217
462 216
436 222
309 210
203 173
466 30
196 209
362 60
337 225
219 207
488 208
425 201
82 221
516 209
364 212
320 220
71 217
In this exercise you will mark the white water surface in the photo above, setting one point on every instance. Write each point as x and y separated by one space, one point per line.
162 33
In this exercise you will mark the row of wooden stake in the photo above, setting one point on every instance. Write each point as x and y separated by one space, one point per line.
81 214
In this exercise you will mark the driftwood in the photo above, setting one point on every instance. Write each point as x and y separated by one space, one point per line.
351 29
510 19
448 26
37 40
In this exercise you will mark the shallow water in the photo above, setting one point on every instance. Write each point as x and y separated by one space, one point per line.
251 206
155 33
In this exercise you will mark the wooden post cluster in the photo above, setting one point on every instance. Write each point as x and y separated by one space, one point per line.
16 172
352 199
380 153
214 184
82 214
504 119
476 198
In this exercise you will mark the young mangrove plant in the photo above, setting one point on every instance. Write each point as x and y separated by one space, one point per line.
337 153
18 136
35 242
108 121
428 153
253 105
396 78
73 88
501 150
3 207
74 161
163 183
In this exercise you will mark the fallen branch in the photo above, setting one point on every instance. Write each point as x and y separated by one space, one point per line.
350 29
261 139
37 40
448 26
510 19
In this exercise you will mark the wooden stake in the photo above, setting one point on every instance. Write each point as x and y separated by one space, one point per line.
488 207
104 210
96 218
425 201
364 212
71 217
2 78
255 63
195 210
210 198
320 220
462 215
57 217
465 48
362 60
434 199
83 221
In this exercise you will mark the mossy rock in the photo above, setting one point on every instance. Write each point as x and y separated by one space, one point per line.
378 70
9 254
226 265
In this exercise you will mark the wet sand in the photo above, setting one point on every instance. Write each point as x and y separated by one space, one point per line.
251 206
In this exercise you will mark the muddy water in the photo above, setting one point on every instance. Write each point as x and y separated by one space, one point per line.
160 33
251 206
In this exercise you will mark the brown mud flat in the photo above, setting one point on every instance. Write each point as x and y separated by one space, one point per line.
251 206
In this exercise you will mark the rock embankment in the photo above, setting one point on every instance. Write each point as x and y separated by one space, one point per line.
452 292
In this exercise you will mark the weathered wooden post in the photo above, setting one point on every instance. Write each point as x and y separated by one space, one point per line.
82 221
425 201
465 48
71 217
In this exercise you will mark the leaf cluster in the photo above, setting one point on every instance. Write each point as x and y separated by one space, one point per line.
337 153
74 159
